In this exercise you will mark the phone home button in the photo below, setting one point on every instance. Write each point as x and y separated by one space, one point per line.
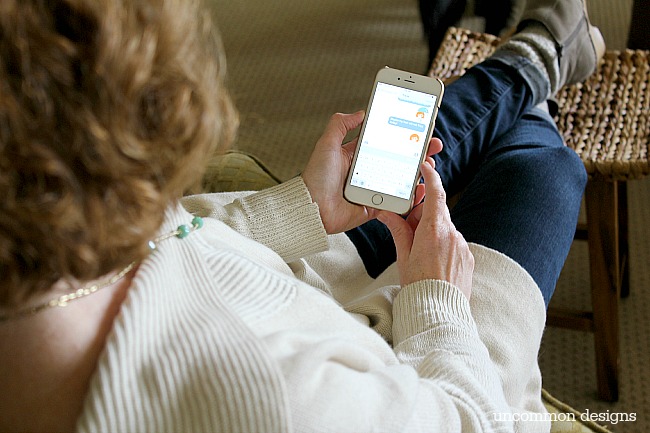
377 199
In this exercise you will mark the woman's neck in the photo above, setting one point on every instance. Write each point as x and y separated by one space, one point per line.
47 360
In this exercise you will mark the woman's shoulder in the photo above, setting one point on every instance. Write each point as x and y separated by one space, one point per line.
182 348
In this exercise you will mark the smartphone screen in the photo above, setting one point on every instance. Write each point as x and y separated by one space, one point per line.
393 140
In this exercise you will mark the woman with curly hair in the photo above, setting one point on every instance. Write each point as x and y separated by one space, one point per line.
126 307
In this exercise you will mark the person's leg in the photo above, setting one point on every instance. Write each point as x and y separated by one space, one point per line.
555 45
522 186
525 199
483 104
522 198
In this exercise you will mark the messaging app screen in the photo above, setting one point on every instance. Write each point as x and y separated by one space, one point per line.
390 152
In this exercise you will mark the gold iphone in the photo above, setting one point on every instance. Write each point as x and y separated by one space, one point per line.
393 140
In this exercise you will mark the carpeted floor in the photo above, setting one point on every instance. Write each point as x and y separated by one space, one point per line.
294 63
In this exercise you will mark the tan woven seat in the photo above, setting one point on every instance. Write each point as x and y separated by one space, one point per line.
606 120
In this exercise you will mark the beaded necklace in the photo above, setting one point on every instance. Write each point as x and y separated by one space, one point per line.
62 301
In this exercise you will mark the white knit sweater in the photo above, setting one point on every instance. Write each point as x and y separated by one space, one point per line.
259 322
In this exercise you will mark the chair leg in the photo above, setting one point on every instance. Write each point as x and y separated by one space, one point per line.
623 246
602 201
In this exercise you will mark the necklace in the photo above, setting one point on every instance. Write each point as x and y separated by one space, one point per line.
181 232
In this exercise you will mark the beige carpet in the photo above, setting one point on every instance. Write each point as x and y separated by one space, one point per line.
293 63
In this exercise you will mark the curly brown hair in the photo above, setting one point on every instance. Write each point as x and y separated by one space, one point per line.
108 111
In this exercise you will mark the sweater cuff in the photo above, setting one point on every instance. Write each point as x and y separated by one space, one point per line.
422 305
285 219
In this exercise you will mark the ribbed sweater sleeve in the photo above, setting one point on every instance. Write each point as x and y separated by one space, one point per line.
433 327
283 218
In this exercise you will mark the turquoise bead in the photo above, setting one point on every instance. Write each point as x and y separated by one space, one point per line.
197 222
183 231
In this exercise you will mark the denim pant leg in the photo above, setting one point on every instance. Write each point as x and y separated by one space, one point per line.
482 105
525 199
487 126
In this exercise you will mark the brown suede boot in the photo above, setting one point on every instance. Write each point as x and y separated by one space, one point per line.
579 44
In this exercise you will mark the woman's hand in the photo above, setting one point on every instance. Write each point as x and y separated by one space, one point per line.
327 170
428 245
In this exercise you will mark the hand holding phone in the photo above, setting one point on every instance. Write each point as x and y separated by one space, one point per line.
429 228
393 140
326 171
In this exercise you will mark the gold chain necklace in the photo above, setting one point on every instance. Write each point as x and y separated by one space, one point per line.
62 301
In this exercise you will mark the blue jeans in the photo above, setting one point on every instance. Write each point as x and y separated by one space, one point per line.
521 188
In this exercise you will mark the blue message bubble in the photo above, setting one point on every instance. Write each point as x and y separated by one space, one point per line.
408 124
416 102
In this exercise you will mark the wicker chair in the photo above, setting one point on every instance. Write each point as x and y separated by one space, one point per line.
606 120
